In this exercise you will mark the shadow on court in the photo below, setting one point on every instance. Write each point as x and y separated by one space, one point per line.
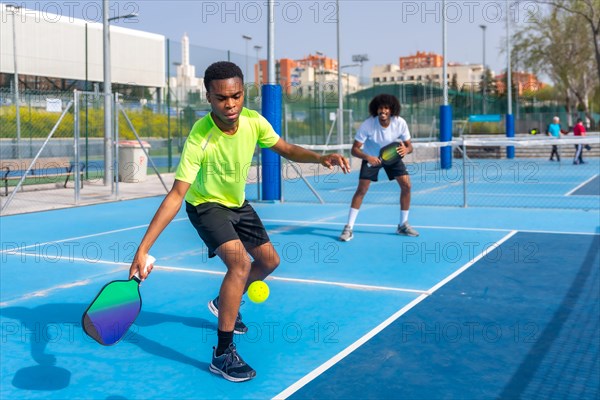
50 323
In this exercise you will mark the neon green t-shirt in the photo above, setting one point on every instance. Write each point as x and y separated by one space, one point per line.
216 165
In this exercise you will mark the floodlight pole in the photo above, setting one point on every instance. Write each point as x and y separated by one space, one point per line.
510 122
247 39
445 109
340 119
107 95
246 78
108 161
360 58
14 10
257 77
483 28
271 109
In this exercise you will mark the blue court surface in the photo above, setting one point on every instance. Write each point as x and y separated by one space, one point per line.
485 303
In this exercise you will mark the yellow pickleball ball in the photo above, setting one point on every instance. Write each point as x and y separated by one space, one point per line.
258 291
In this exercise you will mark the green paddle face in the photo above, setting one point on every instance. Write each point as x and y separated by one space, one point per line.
389 153
113 311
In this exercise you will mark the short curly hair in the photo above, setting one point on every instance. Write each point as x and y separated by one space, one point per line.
385 100
221 70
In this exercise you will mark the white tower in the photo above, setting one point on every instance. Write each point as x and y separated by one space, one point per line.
185 50
186 73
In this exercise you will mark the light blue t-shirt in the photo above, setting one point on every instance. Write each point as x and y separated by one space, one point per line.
554 130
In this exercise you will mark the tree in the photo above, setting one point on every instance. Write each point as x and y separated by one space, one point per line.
513 86
559 45
454 82
588 11
490 84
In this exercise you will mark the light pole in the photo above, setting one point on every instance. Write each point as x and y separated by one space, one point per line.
445 108
360 58
247 39
483 28
340 125
510 122
320 85
257 48
348 75
320 73
108 88
107 94
14 9
271 109
348 88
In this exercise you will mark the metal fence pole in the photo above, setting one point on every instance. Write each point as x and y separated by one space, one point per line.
115 176
75 168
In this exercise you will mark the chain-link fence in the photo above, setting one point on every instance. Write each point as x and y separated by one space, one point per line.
59 143
164 120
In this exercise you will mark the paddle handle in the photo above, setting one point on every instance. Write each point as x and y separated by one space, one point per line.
149 261
369 164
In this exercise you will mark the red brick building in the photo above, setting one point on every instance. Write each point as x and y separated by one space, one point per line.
421 60
523 81
284 69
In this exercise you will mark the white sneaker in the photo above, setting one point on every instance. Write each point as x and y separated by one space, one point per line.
347 234
407 230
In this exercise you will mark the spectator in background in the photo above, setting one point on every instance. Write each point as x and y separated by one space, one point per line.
579 130
555 132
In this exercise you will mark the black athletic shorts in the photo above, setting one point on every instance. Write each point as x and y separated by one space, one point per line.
217 224
392 170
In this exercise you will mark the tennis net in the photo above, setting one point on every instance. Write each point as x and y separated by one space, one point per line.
484 172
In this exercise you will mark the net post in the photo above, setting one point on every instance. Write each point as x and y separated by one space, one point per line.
464 167
271 162
446 136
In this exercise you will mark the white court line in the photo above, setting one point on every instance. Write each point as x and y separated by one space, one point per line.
45 292
353 187
84 237
286 221
338 357
435 189
529 195
48 291
306 223
300 280
570 192
456 228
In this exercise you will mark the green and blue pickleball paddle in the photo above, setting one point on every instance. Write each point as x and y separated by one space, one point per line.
389 153
114 310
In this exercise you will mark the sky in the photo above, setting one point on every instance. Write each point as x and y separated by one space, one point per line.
383 30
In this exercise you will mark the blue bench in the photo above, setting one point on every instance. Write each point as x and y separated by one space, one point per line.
44 168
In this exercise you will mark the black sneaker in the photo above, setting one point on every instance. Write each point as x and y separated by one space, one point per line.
240 327
231 366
